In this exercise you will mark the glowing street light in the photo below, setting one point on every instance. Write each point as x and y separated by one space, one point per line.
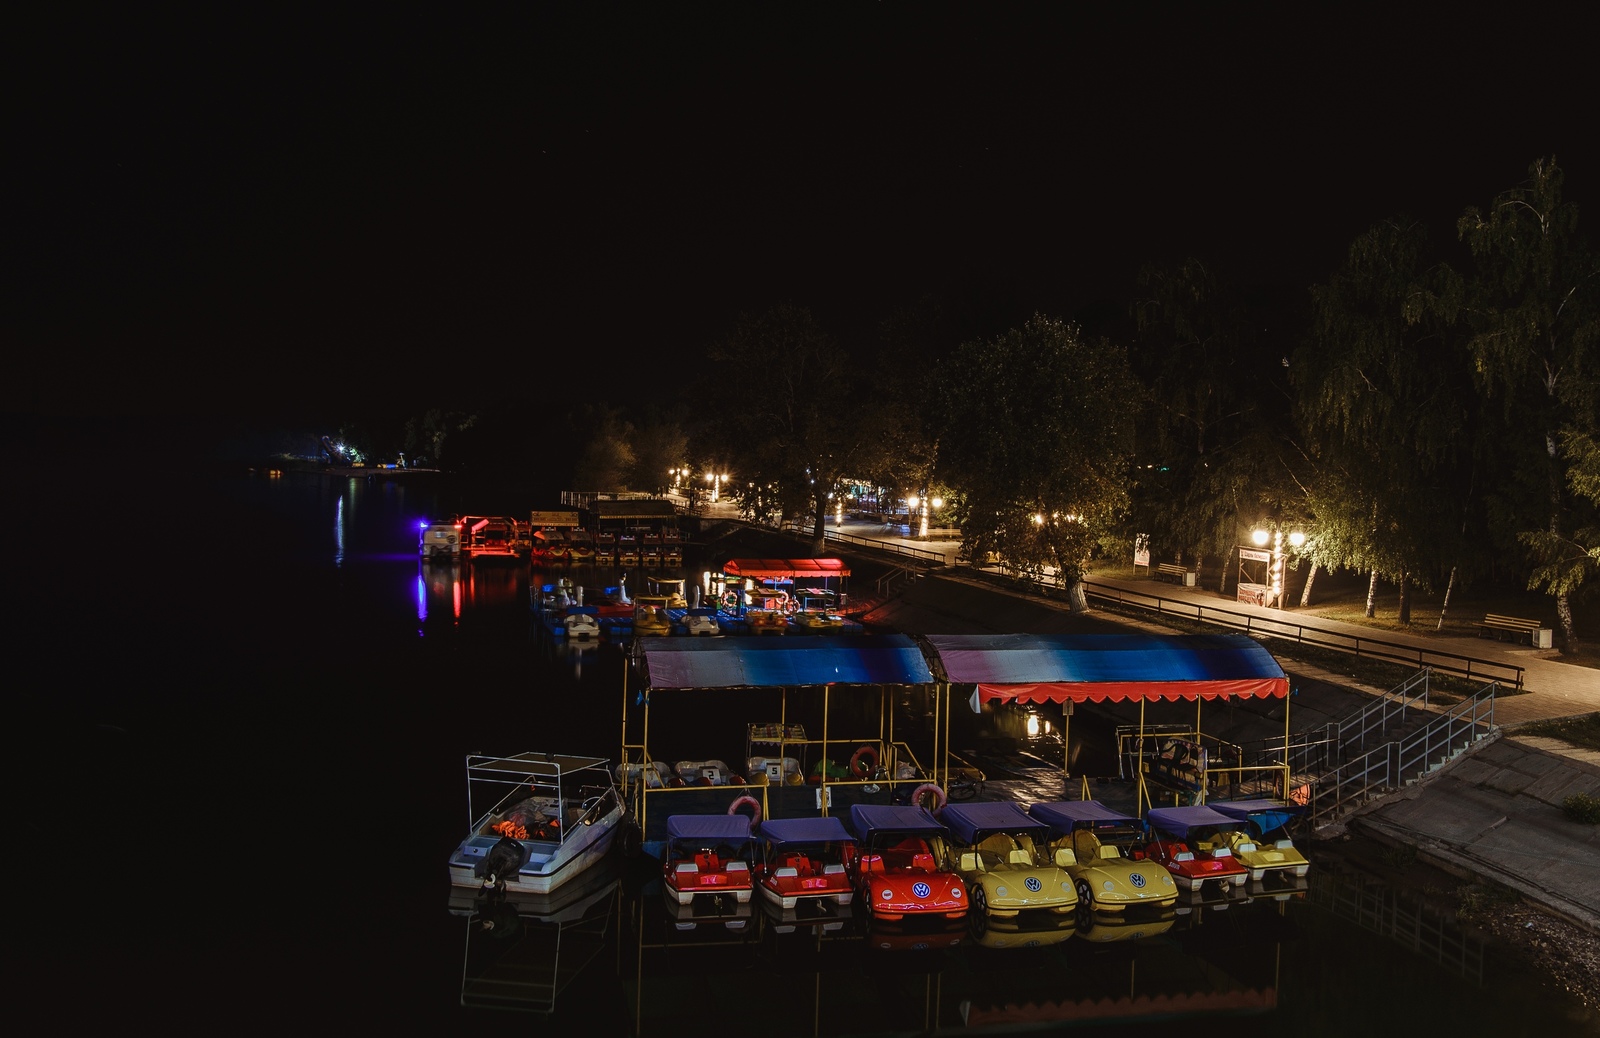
715 479
1260 536
679 476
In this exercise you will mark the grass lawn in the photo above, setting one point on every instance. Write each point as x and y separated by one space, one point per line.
1579 731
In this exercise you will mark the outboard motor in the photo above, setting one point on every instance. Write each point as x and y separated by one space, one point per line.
504 859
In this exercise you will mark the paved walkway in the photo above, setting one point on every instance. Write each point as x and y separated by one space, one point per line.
1553 689
1493 813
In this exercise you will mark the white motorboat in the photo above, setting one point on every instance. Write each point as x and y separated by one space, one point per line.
550 818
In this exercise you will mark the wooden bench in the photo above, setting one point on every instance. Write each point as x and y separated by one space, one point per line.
1173 573
1515 629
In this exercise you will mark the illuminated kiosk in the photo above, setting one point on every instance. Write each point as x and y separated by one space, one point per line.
1134 668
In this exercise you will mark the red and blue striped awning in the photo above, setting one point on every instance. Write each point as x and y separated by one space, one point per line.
785 569
1095 668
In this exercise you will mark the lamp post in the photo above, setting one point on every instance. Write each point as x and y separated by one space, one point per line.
918 507
715 479
1260 537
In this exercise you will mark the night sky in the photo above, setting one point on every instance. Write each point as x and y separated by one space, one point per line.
269 211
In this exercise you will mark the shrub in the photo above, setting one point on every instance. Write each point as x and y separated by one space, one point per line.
1581 807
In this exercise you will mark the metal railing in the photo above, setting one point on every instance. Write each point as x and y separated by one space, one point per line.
1405 922
1403 760
925 556
1326 746
1469 667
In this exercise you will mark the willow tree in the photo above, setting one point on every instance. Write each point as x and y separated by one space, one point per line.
1534 311
1036 438
1377 398
1574 560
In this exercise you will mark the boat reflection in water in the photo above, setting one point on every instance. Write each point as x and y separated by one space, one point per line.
707 910
916 936
1167 966
1105 928
1001 936
523 950
808 915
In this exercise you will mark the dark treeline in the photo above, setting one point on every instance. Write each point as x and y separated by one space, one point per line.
1426 415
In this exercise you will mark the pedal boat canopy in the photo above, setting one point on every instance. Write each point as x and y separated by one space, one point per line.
1097 668
1063 816
970 823
1268 815
708 828
823 829
884 820
1176 821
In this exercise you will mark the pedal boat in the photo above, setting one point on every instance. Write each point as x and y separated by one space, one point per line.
802 860
707 856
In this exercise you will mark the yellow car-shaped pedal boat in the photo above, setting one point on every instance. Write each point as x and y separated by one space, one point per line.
1012 884
1085 839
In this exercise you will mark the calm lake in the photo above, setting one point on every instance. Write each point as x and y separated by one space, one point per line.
238 771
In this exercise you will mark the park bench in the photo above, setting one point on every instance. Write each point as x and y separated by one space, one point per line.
1173 573
1516 629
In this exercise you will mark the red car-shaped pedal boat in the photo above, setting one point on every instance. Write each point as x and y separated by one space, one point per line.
802 861
1191 843
898 872
707 856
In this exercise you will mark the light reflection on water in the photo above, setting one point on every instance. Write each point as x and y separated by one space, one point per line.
1303 963
631 960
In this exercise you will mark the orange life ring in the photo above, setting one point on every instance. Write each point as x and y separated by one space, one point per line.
939 799
755 806
864 762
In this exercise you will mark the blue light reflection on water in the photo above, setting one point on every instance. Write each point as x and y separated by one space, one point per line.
396 723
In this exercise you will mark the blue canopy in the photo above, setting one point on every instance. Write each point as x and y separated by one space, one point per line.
970 823
1045 668
1063 816
1266 814
869 820
711 828
804 830
1179 820
757 662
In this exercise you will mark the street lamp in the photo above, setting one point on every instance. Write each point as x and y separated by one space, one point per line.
679 476
715 479
1273 592
919 506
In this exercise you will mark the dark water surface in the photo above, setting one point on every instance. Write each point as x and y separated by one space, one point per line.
238 772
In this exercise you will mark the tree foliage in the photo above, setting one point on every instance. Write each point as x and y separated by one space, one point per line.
1533 308
1038 437
1207 447
794 434
1378 403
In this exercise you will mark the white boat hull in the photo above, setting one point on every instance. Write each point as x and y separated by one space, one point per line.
544 871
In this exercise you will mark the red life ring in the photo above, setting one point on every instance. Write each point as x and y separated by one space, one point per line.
755 806
864 762
939 799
